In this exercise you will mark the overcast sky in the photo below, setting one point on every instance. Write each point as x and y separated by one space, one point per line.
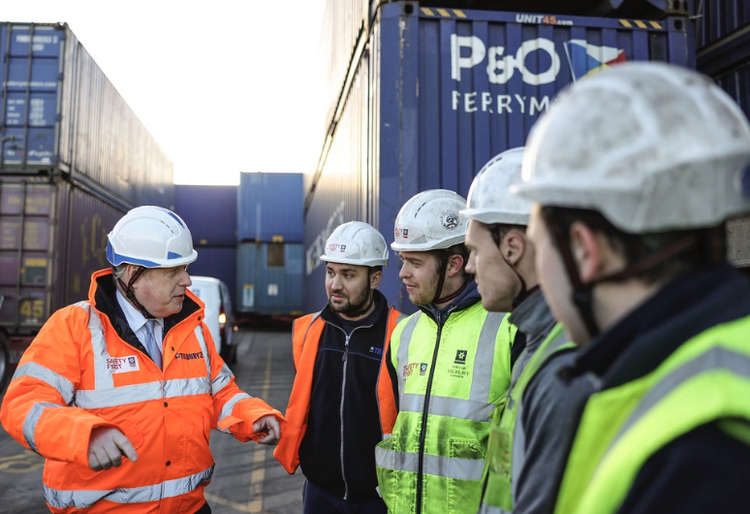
223 86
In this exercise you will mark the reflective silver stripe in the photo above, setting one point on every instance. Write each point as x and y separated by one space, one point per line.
102 378
446 406
403 350
61 384
716 358
221 380
227 409
32 418
84 498
484 359
489 509
123 395
202 343
447 467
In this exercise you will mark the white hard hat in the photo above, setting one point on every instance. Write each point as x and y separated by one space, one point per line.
651 146
356 242
152 237
430 220
490 200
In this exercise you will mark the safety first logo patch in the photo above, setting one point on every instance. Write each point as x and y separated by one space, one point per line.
412 368
122 364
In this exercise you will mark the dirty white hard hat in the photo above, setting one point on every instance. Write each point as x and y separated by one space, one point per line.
152 237
651 146
356 242
430 220
490 200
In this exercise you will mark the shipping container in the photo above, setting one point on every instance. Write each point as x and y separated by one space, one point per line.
269 278
219 262
52 237
59 112
433 93
269 207
210 213
723 42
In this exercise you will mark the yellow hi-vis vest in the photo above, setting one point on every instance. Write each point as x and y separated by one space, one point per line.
450 380
497 497
706 379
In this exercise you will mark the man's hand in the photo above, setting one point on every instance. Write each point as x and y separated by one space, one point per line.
269 425
106 447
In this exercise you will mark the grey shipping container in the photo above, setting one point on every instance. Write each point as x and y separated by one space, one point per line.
431 94
59 112
52 237
269 207
269 278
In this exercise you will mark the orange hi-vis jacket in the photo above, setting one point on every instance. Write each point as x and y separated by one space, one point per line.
79 374
306 334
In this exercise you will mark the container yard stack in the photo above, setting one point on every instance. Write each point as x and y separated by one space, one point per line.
269 253
723 42
73 158
430 93
211 214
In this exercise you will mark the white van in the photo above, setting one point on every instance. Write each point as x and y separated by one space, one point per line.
219 318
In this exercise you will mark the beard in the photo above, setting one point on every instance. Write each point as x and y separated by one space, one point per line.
354 306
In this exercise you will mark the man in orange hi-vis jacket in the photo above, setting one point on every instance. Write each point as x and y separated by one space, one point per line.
119 392
342 402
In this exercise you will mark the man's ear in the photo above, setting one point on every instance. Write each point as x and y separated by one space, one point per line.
513 246
588 251
455 265
375 278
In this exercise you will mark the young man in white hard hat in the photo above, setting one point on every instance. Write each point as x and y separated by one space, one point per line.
342 400
522 456
450 361
119 392
634 172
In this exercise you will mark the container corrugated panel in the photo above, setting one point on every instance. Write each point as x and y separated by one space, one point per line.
219 262
210 213
269 278
59 111
719 18
52 237
270 207
437 92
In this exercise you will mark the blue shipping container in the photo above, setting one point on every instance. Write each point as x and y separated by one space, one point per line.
58 111
269 207
218 262
269 278
432 94
210 213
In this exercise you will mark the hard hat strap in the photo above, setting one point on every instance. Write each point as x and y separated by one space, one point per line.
497 233
130 293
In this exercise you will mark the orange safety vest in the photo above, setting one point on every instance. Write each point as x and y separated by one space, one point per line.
78 374
306 334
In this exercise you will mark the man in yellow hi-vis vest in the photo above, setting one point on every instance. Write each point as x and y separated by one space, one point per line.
523 457
450 361
634 172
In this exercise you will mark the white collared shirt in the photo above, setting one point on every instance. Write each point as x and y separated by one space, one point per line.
137 322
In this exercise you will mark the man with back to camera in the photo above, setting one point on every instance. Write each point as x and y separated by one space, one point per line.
451 364
119 392
523 460
342 400
632 194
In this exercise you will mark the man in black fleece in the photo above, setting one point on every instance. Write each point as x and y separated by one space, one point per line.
338 409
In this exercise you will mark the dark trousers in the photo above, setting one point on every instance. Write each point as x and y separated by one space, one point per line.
204 510
319 501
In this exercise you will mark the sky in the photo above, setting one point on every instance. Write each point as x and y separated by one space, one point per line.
223 86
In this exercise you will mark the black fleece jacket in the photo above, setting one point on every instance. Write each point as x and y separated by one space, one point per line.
338 450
